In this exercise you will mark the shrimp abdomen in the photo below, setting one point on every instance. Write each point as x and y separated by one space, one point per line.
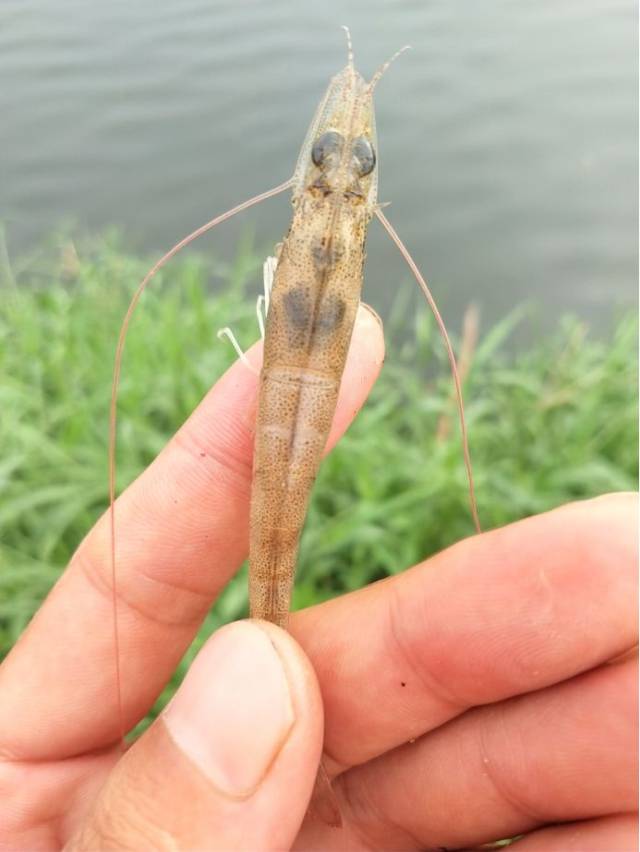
296 410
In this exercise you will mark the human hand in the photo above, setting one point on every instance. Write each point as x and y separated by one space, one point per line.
464 700
489 692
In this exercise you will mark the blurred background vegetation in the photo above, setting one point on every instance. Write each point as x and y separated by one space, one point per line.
549 422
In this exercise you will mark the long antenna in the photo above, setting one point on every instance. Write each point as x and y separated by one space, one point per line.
452 358
385 65
113 407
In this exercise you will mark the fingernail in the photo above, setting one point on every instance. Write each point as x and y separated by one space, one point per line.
366 313
233 712
370 329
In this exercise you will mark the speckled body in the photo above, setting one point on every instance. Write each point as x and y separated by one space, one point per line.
313 305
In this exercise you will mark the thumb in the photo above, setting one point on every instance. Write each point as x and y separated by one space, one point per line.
231 762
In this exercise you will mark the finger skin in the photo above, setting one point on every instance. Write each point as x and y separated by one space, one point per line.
496 615
161 796
606 834
182 532
564 753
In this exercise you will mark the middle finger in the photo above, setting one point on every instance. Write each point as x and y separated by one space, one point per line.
496 615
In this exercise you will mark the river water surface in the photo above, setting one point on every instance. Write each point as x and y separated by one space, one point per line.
507 136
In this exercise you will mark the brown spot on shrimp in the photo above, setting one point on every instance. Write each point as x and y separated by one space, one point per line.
307 315
326 251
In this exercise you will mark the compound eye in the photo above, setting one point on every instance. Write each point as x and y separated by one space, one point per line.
364 156
325 147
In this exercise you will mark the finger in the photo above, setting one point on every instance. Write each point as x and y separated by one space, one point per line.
182 531
606 834
232 761
564 753
497 615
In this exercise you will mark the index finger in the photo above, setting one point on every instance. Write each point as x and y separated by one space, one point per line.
182 531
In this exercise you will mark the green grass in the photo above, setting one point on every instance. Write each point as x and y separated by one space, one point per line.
554 423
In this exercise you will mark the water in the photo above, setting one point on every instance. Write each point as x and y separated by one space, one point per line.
507 136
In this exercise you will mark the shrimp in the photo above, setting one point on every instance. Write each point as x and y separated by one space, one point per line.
315 296
312 306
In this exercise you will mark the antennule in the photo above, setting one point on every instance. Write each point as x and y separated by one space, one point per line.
349 45
381 70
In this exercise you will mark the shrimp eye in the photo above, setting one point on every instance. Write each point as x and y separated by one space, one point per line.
325 146
364 156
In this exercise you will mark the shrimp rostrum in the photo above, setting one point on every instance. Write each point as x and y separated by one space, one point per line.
312 304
